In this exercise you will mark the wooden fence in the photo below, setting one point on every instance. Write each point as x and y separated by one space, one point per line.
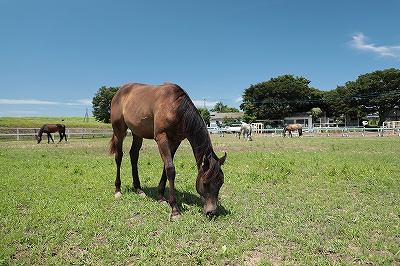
23 133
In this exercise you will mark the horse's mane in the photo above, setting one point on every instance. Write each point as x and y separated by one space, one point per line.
194 128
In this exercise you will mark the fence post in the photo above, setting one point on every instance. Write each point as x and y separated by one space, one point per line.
17 134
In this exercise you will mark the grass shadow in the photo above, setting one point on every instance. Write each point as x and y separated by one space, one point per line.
183 198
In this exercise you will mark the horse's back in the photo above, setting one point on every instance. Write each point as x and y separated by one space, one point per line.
145 108
294 126
298 126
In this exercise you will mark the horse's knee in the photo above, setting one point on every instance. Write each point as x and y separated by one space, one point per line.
170 172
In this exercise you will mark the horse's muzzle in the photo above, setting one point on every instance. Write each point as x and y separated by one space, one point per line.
210 210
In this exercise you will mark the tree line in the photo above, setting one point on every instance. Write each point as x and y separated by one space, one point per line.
372 93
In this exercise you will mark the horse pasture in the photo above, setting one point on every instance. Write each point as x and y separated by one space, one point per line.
298 201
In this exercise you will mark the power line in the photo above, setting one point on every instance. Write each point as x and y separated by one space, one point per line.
317 100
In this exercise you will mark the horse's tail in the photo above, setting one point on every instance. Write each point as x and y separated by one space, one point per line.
113 144
300 131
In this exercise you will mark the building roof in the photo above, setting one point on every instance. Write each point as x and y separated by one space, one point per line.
218 116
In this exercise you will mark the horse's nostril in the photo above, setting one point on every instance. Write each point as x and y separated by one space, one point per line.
211 214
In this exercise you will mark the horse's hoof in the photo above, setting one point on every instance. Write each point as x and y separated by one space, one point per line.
175 216
118 195
140 192
163 202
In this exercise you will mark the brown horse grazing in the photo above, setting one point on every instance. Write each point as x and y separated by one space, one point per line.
293 127
166 114
51 128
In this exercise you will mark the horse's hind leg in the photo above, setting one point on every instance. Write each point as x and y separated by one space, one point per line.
134 154
116 147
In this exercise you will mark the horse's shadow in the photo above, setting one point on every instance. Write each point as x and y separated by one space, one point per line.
182 197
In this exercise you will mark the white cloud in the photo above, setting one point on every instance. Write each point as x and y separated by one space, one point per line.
79 102
359 42
238 100
206 103
23 102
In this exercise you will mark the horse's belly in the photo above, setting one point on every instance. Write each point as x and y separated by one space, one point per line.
143 128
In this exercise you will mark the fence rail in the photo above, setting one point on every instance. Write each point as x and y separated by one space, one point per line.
18 133
328 131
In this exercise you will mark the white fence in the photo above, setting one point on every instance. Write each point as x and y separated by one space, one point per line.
19 133
340 131
329 131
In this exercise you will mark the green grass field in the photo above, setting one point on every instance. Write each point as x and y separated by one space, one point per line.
37 122
308 201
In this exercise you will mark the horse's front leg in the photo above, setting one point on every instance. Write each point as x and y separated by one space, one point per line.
169 169
163 180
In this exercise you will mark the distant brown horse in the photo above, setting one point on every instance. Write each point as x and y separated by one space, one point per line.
293 127
51 128
166 114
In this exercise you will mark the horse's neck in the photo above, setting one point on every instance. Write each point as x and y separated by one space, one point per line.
201 145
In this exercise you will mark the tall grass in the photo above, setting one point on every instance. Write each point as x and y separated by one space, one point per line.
309 201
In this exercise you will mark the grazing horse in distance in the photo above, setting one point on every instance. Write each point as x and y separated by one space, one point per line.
166 114
293 127
245 129
51 128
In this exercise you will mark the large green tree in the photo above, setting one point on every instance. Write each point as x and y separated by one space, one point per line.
279 97
205 114
342 103
102 103
379 92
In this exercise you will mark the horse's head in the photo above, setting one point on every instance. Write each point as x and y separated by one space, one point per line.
39 139
209 182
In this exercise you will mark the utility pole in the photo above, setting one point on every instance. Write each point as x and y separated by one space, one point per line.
86 119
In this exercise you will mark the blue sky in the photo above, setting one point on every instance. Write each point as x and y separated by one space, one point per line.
55 55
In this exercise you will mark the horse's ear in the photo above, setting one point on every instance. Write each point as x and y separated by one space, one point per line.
206 163
222 160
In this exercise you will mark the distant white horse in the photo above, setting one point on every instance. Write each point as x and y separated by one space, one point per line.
246 130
